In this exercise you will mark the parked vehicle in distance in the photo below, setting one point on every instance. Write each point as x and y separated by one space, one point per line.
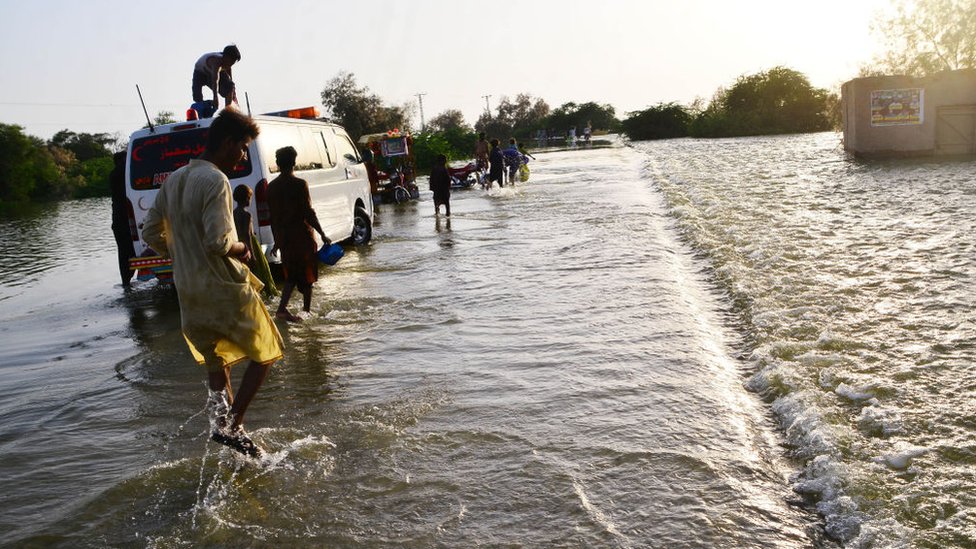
395 172
466 176
327 160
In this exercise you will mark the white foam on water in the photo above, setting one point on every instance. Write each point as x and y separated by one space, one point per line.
886 533
278 458
167 464
901 455
503 192
824 477
804 425
817 441
856 394
820 360
878 420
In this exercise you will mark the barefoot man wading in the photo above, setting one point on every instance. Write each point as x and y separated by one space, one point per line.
224 319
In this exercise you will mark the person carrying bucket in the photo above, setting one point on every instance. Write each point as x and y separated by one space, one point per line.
292 223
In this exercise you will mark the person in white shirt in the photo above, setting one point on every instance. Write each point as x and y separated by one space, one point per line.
213 70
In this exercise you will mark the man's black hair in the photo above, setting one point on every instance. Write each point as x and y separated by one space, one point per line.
230 124
285 157
232 52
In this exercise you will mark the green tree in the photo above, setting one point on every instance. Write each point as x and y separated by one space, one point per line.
460 137
524 113
27 169
780 100
516 117
662 121
573 115
493 126
85 146
449 119
427 145
357 110
834 111
929 36
600 117
163 117
91 177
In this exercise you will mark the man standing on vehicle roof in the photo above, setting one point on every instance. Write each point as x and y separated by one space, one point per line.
223 317
214 71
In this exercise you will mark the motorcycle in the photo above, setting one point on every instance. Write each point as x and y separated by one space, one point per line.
401 187
466 176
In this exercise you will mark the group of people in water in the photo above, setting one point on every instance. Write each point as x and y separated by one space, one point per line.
215 257
292 221
490 154
215 252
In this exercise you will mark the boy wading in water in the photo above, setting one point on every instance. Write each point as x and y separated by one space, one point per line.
292 223
496 161
224 319
440 184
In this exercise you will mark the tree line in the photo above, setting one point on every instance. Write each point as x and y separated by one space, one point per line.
362 112
780 100
69 165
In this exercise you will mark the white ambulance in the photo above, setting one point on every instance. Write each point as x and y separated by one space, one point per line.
327 160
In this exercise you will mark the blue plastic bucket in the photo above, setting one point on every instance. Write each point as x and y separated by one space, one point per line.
205 109
331 254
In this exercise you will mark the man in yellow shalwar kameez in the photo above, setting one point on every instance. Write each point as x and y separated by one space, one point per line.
224 319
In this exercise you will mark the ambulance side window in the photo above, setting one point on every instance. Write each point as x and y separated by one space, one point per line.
276 136
309 152
345 149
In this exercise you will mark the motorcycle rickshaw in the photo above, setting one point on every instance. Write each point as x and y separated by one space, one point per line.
392 172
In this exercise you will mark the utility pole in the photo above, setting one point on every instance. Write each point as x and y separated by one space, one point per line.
420 99
487 108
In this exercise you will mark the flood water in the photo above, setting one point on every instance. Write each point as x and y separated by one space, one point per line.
725 343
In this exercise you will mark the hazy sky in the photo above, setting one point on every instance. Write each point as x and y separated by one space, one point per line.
75 64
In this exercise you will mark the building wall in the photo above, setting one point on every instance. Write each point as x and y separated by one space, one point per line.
950 88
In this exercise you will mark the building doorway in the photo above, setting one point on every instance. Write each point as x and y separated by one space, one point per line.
955 130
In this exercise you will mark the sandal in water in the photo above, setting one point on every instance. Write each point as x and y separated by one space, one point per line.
237 440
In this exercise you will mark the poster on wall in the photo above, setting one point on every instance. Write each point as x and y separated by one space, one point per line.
897 107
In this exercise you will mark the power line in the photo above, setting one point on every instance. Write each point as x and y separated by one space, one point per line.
29 104
93 105
168 106
487 108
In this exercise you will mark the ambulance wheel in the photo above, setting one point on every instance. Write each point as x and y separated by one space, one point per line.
362 227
